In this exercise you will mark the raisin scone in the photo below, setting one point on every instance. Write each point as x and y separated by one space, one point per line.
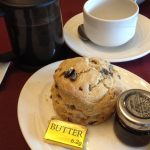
85 90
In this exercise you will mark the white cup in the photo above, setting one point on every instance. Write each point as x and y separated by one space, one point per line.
110 22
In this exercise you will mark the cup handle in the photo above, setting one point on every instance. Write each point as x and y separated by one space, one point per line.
8 56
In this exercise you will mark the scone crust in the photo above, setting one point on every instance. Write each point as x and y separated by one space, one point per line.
85 90
94 78
90 114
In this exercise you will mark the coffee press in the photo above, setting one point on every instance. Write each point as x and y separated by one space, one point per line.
35 31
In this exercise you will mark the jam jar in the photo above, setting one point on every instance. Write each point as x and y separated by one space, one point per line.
132 122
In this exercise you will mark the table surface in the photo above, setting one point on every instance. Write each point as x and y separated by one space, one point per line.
11 137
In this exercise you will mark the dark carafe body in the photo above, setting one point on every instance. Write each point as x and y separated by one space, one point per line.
35 31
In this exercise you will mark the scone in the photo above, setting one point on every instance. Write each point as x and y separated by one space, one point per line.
85 90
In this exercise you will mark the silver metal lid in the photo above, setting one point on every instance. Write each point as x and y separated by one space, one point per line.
133 109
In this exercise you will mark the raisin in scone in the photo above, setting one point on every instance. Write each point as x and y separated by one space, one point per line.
85 90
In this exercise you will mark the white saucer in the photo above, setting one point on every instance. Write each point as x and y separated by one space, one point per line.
137 47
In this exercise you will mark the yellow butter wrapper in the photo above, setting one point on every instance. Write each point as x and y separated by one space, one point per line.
66 134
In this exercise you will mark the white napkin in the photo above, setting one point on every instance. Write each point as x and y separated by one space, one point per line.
139 1
3 70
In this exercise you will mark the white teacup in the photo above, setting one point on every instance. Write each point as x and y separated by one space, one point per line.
110 22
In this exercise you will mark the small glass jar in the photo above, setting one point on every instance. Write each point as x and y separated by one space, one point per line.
132 123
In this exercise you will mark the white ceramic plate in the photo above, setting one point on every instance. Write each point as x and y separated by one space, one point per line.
137 47
35 110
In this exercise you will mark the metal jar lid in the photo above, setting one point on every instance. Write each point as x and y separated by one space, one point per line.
133 109
24 3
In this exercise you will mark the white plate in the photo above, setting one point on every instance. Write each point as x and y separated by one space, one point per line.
35 110
137 47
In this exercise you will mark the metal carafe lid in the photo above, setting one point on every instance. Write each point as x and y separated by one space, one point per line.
23 3
133 109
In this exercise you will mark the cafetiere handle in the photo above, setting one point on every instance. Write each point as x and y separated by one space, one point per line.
1 12
8 56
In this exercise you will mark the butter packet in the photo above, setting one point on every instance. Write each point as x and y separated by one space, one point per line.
65 134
